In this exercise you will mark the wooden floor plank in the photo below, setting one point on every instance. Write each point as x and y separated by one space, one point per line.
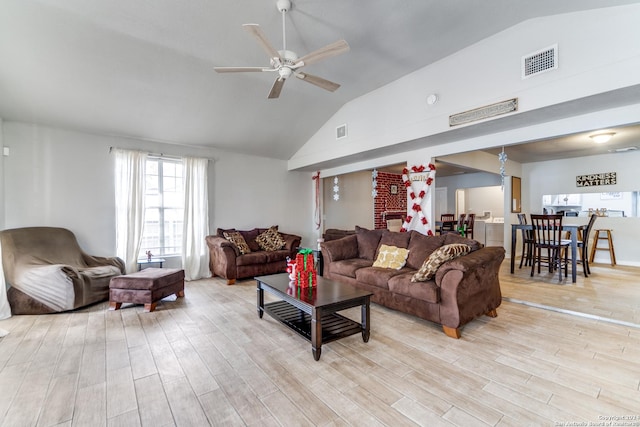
91 406
219 411
184 403
153 406
128 419
121 393
59 403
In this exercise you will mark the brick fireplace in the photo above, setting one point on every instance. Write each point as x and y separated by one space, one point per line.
388 205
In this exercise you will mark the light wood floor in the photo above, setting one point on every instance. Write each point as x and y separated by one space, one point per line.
608 293
208 359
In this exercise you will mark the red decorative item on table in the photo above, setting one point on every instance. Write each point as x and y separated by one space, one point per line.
306 275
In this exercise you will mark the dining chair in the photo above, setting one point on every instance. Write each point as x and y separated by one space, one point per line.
468 225
457 226
447 222
547 234
583 246
527 242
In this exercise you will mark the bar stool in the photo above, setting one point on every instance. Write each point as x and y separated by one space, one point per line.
607 237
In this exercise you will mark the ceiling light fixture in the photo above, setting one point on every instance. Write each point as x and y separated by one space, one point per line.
602 138
623 149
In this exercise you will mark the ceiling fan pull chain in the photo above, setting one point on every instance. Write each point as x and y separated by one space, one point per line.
284 32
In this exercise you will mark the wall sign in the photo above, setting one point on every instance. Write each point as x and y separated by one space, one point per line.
606 178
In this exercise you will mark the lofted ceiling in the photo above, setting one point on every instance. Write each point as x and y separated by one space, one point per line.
145 69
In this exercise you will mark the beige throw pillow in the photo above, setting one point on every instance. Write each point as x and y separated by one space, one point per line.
270 240
391 257
237 239
437 258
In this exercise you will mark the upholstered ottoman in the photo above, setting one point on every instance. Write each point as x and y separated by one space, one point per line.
146 287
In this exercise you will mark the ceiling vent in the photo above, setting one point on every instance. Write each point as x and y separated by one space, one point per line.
540 61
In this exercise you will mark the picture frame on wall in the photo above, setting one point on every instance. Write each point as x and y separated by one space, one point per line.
393 189
516 196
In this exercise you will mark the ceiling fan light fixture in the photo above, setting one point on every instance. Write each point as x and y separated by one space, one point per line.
286 62
602 138
283 5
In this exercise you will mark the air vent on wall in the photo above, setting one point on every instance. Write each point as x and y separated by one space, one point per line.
341 131
540 61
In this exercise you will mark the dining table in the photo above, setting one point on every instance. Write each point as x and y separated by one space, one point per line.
573 229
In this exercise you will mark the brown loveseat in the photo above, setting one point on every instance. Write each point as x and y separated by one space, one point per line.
462 289
49 273
226 260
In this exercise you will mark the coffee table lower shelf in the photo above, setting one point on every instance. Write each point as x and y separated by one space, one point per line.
334 325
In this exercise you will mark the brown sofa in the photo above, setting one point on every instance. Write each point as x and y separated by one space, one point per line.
462 289
225 259
49 272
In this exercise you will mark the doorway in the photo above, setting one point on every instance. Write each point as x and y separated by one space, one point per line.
441 203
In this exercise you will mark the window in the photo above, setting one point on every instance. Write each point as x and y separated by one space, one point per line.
164 206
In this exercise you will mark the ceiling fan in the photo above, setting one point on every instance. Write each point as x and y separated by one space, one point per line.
286 62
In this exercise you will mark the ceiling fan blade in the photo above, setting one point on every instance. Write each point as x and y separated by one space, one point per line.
318 81
256 31
276 88
328 51
240 69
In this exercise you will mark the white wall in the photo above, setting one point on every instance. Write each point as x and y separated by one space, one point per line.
259 192
57 177
471 180
481 199
355 206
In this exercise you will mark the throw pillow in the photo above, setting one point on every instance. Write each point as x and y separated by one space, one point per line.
437 258
237 239
368 242
391 257
270 240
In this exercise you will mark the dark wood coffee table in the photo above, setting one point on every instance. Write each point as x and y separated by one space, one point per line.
312 312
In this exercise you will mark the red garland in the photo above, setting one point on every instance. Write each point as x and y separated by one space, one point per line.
416 205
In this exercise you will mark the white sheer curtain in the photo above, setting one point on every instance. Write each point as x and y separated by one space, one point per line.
195 257
130 192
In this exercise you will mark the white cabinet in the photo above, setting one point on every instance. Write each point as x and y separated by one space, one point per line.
489 233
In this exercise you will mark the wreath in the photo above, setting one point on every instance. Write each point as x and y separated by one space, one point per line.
417 199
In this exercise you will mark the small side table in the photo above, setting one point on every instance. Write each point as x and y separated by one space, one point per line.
148 262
